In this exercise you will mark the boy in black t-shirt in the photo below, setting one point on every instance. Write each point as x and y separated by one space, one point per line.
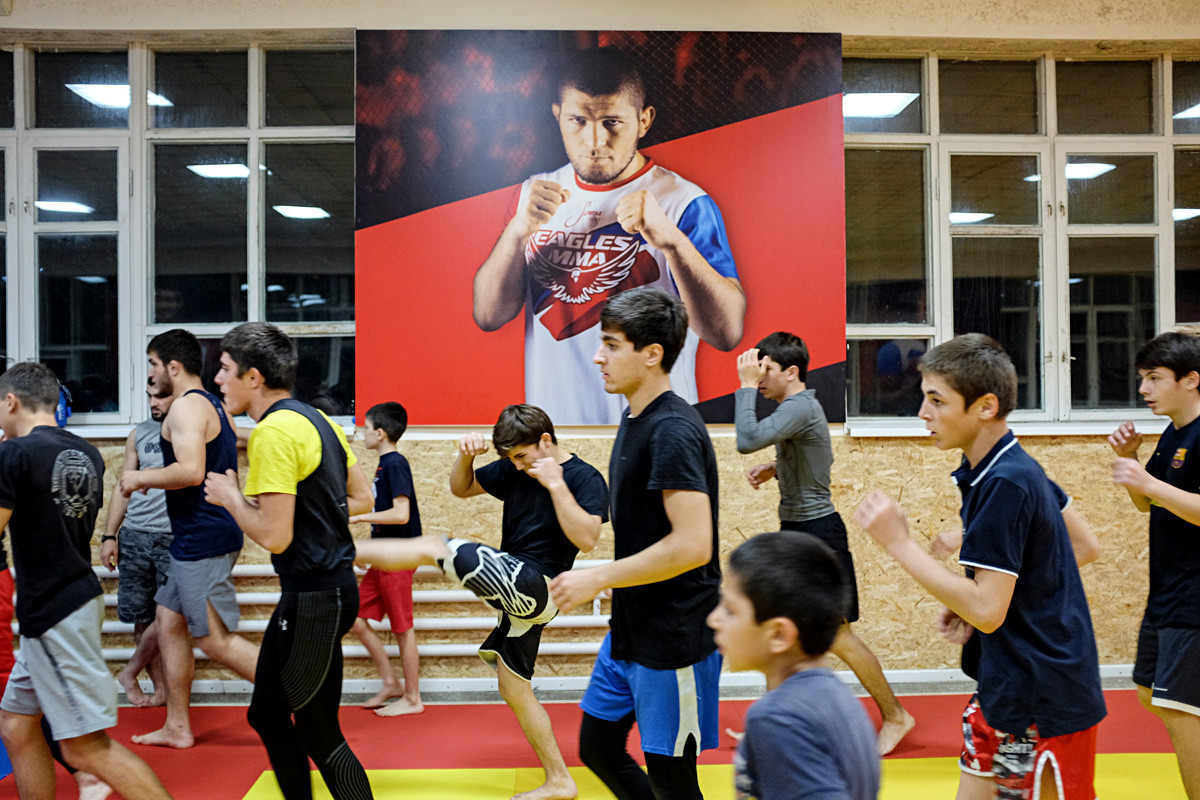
554 505
659 666
1168 651
381 592
50 495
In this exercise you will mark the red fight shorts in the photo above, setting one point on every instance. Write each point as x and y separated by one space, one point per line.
387 593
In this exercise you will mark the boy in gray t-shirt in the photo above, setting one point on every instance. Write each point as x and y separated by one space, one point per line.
777 368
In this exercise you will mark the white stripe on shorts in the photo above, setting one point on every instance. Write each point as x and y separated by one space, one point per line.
689 709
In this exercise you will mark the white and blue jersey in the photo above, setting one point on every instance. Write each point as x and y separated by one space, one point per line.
582 257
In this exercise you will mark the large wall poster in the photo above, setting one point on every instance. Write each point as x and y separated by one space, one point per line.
746 129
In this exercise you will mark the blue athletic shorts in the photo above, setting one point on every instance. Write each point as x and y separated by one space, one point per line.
669 705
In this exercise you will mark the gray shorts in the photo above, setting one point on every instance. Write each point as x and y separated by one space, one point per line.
144 564
192 585
62 675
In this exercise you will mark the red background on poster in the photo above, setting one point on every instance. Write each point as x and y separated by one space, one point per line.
778 180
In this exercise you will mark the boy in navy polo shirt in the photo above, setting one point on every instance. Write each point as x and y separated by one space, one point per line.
1030 728
1168 651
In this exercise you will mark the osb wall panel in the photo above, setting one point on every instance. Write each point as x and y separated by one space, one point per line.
896 616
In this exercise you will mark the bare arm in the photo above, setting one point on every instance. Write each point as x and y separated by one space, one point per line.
499 288
118 503
462 473
267 519
358 491
398 514
1125 441
1083 539
188 428
981 601
580 526
686 547
716 305
1129 473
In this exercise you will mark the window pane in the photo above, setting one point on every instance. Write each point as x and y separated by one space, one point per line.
7 109
882 94
885 236
997 285
310 232
77 316
1110 190
325 375
997 186
1187 236
1112 315
199 90
1185 109
81 90
1105 97
4 297
76 185
988 96
310 87
882 378
200 233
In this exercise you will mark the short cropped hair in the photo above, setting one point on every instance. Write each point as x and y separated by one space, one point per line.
603 71
786 350
1174 350
34 385
520 425
389 417
648 315
266 348
794 575
179 346
974 365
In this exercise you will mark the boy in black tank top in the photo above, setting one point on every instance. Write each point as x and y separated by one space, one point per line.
306 483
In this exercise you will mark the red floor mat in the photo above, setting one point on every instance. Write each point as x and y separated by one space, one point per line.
228 756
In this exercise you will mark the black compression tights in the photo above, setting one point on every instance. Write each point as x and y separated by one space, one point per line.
299 675
602 747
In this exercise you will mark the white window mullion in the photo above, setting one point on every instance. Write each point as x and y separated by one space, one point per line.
255 222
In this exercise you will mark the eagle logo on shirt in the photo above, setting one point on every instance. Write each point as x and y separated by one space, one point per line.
572 274
1177 459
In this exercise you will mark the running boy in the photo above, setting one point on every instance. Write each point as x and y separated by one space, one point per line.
381 592
783 602
554 505
777 368
659 666
50 495
1031 727
1167 670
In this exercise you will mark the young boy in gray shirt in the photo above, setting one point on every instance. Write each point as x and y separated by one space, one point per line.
777 368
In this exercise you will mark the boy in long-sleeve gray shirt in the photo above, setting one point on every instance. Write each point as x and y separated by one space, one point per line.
777 368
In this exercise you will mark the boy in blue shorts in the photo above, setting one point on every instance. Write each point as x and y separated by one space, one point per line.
1029 733
554 505
1167 670
783 600
659 666
381 592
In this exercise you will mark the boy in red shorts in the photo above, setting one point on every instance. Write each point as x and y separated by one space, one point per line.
395 517
1030 730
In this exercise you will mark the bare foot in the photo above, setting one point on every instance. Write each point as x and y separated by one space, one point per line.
133 690
180 740
892 731
91 787
385 694
559 790
400 708
159 698
737 736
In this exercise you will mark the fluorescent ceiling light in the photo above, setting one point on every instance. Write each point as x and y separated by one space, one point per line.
220 170
92 279
966 217
1189 113
113 95
65 206
1181 214
275 287
1081 172
876 104
302 212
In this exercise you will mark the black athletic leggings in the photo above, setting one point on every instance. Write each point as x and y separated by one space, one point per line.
299 675
603 749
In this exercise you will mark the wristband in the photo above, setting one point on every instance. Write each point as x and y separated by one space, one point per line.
108 538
